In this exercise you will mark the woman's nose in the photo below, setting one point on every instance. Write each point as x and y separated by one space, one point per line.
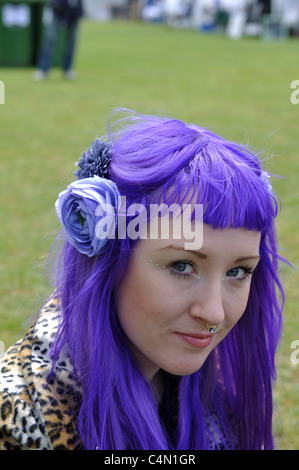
208 303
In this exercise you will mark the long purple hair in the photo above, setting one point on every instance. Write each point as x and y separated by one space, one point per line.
163 159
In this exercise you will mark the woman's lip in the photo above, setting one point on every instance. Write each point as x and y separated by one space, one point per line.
197 340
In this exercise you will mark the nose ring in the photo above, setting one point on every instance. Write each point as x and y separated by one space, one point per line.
212 329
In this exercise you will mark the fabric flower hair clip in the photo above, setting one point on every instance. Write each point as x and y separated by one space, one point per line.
265 177
95 160
87 209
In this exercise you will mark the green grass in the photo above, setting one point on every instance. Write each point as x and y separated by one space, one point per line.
239 89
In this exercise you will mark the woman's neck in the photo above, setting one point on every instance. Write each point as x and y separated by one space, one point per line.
157 384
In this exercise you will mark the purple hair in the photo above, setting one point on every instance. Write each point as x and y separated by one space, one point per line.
162 159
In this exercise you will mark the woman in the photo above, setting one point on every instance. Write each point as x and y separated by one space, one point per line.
152 341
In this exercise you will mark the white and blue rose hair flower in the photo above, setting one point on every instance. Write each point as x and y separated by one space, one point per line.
87 210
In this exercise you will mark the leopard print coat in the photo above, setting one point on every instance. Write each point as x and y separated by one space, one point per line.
39 408
37 412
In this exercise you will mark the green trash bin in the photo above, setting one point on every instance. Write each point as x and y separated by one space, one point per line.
16 34
21 32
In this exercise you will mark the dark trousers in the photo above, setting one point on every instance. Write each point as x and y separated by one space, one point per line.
49 42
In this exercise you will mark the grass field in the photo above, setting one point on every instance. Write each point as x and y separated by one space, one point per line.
239 89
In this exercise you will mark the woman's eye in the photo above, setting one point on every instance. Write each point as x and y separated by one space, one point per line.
182 268
240 273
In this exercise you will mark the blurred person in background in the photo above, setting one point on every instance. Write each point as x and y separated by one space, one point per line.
238 13
290 15
176 11
203 14
63 13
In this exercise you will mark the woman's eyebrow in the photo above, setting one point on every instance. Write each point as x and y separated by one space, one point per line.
204 256
173 247
245 258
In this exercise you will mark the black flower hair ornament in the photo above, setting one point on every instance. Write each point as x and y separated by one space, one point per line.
95 160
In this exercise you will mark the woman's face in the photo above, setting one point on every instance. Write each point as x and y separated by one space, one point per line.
163 306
